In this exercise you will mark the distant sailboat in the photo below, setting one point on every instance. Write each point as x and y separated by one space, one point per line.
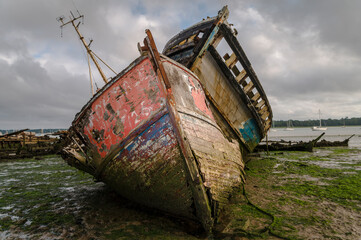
344 123
319 128
289 126
273 127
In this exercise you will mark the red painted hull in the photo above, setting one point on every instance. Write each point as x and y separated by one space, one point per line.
156 142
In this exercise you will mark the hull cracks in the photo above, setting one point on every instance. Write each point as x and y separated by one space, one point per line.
156 146
166 137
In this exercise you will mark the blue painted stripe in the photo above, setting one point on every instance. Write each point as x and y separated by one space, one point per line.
151 133
251 133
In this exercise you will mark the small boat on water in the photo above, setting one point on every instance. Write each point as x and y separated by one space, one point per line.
289 126
158 134
319 128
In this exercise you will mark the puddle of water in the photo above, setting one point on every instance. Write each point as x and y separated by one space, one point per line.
332 164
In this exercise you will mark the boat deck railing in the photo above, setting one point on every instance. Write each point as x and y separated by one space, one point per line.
245 78
190 45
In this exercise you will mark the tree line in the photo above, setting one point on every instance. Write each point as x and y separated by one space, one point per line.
325 122
44 130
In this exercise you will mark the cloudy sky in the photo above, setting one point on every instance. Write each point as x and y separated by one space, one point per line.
307 54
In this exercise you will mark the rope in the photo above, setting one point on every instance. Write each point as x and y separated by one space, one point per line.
104 63
269 228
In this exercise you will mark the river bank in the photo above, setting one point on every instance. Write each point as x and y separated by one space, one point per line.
311 195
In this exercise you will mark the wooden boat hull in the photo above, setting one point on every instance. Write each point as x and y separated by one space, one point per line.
238 100
319 128
150 134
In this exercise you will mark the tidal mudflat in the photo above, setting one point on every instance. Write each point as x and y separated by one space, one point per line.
304 195
301 196
47 199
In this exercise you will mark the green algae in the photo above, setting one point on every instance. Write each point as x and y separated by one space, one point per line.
49 197
341 188
30 190
291 185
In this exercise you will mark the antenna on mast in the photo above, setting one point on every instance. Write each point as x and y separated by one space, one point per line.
90 53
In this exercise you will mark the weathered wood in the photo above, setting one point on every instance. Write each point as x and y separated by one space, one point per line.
241 77
256 97
231 61
289 146
197 58
260 104
249 87
325 143
14 133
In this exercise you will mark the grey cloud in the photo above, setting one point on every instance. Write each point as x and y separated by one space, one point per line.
306 54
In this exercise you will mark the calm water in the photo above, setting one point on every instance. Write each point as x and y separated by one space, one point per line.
306 134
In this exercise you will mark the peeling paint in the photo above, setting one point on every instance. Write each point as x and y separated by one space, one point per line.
199 97
250 132
123 107
152 137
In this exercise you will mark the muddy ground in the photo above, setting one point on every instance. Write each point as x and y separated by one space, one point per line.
292 195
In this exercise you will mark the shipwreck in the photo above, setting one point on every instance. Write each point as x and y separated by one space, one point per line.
171 130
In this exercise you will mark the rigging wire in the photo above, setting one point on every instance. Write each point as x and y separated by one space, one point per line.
90 75
75 6
104 63
86 56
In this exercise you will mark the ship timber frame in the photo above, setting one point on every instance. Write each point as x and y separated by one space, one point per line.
245 81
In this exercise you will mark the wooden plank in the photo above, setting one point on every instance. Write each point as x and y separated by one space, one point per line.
231 61
235 70
250 94
265 108
241 76
265 115
268 124
249 87
260 104
256 97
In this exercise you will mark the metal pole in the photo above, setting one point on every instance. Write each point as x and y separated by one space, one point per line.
89 52
91 79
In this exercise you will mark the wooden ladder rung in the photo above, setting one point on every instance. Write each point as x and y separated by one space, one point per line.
250 94
267 124
265 115
241 77
260 104
256 97
249 87
231 61
262 110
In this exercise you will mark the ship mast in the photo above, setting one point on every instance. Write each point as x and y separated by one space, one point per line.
87 46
